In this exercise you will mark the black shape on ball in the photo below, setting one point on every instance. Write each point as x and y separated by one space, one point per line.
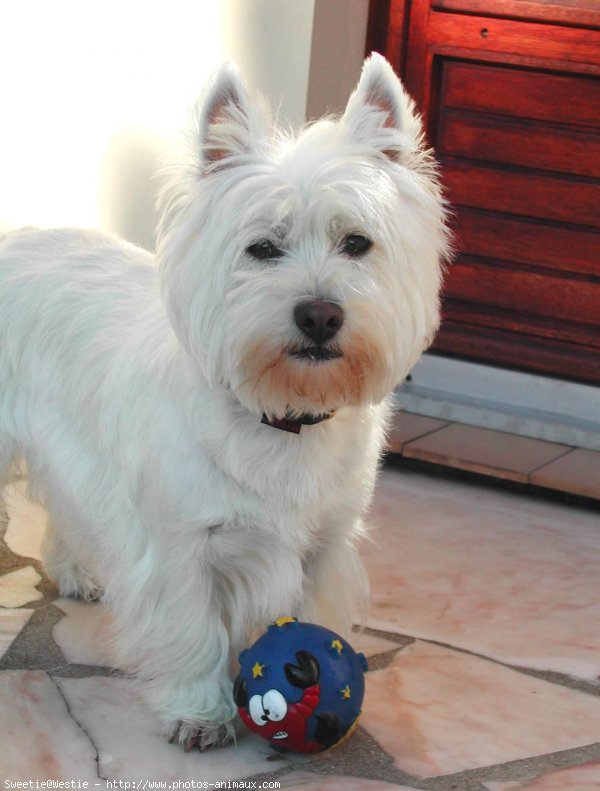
329 729
306 673
240 692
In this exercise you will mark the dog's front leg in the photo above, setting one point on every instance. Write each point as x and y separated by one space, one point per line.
171 631
336 590
197 708
187 613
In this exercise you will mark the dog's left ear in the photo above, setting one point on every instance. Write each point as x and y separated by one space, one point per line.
228 122
380 113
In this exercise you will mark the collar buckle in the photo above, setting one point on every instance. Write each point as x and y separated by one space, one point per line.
293 425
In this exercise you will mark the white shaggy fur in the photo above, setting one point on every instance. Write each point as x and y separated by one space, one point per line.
134 388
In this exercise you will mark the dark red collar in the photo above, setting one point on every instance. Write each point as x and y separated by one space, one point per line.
293 425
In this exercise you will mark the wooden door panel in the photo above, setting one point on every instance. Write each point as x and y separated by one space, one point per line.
522 93
523 352
521 325
526 241
531 194
575 12
510 94
517 142
493 285
510 40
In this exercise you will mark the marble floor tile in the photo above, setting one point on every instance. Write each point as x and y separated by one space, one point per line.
26 522
502 575
438 711
494 572
40 740
407 427
131 745
308 781
11 623
18 587
370 644
85 634
577 472
578 778
481 450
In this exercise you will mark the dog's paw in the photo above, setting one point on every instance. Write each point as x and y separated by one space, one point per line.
203 737
92 594
77 583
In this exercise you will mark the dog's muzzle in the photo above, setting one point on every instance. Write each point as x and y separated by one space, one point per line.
317 354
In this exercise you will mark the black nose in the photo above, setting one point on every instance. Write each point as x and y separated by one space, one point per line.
319 320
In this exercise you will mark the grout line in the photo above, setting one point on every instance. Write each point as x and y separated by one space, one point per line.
406 442
425 434
546 464
460 463
468 477
550 676
521 770
482 468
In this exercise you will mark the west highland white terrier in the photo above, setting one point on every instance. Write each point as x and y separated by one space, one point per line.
204 426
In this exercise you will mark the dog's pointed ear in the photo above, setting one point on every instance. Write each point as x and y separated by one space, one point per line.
229 123
380 113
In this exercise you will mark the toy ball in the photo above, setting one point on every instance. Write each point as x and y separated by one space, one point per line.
300 686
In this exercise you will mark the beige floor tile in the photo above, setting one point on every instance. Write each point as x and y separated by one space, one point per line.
11 623
407 427
437 711
371 645
308 781
494 572
26 522
40 738
578 778
485 451
86 634
577 472
131 742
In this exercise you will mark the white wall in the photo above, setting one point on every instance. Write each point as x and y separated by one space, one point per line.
305 56
93 92
270 40
90 90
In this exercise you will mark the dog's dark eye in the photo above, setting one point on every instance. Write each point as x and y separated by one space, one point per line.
264 250
356 245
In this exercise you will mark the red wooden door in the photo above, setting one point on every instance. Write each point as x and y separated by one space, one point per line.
511 97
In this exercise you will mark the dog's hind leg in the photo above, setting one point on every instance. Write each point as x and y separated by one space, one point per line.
71 578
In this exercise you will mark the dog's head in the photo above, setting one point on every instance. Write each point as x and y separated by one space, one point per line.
303 272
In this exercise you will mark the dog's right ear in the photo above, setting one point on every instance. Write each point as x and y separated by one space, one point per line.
380 113
229 124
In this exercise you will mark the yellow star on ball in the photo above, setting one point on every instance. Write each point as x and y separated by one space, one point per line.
283 620
346 692
337 645
257 670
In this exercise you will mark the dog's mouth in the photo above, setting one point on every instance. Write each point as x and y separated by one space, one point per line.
317 354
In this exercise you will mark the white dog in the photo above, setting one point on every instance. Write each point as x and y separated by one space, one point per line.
204 428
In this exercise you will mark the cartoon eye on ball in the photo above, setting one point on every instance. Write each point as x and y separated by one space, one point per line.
270 706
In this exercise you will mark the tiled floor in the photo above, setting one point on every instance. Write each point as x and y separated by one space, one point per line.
497 454
482 636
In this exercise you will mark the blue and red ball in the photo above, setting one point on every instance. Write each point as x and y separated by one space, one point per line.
300 686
